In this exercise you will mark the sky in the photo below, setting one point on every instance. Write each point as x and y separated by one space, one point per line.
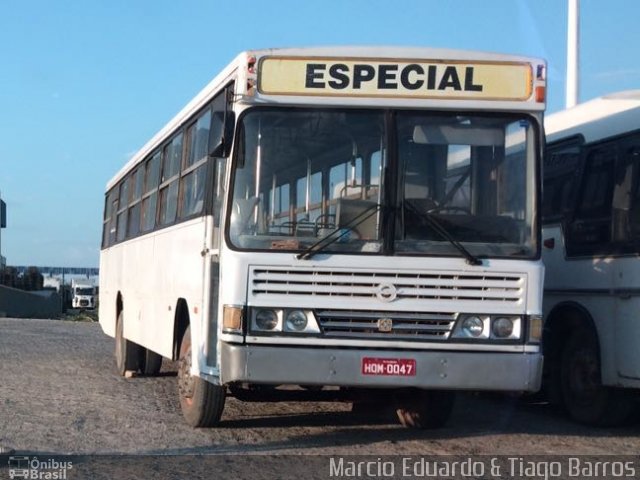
85 83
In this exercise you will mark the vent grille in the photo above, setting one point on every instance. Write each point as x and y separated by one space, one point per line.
502 288
405 325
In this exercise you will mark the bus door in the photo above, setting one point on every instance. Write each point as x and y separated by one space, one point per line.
626 274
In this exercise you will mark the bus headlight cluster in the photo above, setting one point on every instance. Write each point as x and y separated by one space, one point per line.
473 327
267 319
280 320
502 327
488 327
297 320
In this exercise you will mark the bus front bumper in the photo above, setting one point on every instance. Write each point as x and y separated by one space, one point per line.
448 370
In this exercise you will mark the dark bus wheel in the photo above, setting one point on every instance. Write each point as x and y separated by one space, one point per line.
425 408
202 402
583 395
126 352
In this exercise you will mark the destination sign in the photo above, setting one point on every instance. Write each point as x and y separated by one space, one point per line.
386 78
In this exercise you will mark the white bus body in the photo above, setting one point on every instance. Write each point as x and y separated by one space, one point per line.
351 217
591 215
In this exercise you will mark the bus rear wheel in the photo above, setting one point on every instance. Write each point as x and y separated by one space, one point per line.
583 395
425 409
127 353
202 402
149 362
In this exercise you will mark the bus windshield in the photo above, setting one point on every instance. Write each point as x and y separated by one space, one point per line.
303 175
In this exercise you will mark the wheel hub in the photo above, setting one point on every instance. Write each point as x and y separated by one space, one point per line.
186 382
584 376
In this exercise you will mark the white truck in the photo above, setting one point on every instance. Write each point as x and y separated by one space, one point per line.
83 294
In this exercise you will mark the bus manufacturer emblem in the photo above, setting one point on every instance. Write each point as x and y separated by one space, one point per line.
385 325
386 292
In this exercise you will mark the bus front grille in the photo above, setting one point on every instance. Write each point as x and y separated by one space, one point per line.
386 325
361 286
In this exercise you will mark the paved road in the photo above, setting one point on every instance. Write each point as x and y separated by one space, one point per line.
59 394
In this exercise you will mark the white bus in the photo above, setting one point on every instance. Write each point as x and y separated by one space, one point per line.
360 219
591 237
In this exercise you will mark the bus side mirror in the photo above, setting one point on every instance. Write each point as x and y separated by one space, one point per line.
221 139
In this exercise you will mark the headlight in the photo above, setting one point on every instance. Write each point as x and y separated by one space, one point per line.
488 327
502 327
266 319
506 328
296 320
283 321
473 327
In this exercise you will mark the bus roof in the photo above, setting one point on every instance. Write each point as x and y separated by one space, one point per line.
596 119
383 53
391 52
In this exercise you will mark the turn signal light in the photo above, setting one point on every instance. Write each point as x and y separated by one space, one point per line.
232 319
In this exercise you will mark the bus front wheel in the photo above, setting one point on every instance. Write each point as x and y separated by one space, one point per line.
202 402
127 353
425 408
583 395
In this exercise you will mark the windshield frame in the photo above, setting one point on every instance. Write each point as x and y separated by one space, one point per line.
389 182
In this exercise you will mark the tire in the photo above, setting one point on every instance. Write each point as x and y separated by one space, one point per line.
425 409
202 402
369 409
584 397
149 362
127 353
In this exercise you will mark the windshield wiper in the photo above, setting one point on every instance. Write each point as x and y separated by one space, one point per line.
437 227
338 233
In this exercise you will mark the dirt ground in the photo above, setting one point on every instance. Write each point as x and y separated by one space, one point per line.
59 394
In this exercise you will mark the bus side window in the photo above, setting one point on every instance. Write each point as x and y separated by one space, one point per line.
171 161
192 188
590 231
561 174
219 190
121 221
133 226
626 199
150 198
108 227
279 215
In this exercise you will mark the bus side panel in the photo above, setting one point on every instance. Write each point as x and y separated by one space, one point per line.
107 303
627 318
139 300
176 272
584 282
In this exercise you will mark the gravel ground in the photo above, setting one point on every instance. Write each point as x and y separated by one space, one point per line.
59 394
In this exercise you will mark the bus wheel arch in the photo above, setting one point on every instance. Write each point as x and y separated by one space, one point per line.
572 349
180 324
563 319
119 306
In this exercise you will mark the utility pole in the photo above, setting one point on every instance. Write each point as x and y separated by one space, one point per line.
573 50
3 224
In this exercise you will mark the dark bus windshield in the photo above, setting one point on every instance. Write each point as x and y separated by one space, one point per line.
304 174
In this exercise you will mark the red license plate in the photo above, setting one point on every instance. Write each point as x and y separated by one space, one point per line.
401 367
